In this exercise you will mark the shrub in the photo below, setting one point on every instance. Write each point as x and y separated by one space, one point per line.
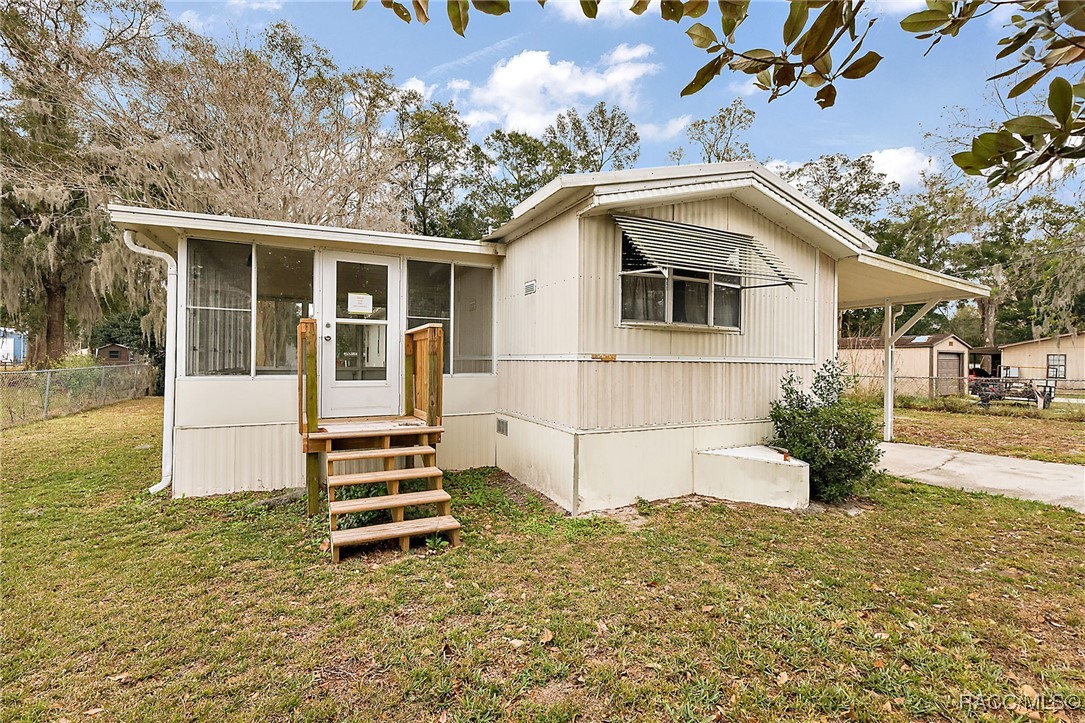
837 436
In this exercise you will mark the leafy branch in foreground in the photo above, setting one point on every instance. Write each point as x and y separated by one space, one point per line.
1046 37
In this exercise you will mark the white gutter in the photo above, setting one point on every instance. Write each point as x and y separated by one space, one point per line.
168 414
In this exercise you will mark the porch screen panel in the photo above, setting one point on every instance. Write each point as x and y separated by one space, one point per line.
284 296
474 320
429 299
219 319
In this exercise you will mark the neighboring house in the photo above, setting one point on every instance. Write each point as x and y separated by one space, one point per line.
1059 358
601 346
13 346
924 365
113 354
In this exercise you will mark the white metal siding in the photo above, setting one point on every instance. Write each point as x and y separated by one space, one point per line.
217 460
778 322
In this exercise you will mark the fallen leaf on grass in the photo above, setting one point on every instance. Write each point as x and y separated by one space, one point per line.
601 626
879 663
546 636
94 711
516 644
782 678
1028 691
707 608
119 677
324 546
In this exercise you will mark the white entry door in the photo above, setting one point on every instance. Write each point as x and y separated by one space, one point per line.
361 336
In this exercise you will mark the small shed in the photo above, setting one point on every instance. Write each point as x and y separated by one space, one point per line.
113 354
12 346
933 365
1060 358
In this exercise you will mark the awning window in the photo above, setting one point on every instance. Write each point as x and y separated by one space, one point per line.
670 245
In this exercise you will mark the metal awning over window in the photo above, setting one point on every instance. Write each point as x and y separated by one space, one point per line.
672 245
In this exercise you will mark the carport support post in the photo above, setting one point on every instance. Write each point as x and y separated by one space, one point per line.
887 388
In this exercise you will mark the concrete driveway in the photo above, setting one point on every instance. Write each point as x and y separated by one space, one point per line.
1026 479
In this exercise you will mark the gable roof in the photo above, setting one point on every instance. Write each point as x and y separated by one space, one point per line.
748 181
918 341
1036 341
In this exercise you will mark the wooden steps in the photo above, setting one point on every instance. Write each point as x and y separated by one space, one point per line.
347 432
392 530
392 475
380 453
388 502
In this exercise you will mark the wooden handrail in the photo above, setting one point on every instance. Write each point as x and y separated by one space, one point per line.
308 409
423 370
308 389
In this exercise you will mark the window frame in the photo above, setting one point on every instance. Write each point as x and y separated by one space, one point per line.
452 311
1056 366
669 274
183 305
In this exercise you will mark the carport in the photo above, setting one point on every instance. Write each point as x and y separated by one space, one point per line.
869 280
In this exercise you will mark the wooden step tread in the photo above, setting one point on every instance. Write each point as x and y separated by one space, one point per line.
393 530
388 502
348 454
377 432
393 475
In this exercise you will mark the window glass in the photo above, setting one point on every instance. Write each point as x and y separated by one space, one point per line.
727 306
364 284
690 302
429 299
1056 366
284 296
644 298
219 316
473 343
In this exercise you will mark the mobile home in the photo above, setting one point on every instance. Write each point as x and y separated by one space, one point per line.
605 344
1060 359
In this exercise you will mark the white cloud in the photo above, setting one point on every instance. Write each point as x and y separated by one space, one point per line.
625 53
419 86
194 20
780 167
663 131
268 5
903 165
474 56
611 12
525 92
744 87
897 7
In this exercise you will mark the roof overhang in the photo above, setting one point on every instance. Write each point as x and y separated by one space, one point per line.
161 229
747 181
870 280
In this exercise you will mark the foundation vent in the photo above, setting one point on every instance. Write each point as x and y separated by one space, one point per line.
503 427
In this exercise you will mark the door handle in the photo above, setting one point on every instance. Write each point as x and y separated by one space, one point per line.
327 337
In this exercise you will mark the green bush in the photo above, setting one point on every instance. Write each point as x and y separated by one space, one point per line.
837 436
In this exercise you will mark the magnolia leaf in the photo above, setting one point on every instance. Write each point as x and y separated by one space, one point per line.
1017 42
753 61
702 35
671 9
590 8
814 80
358 4
491 7
862 66
707 72
542 3
943 5
1004 73
1073 13
826 97
784 75
824 63
1026 84
816 40
1060 99
732 13
695 8
1079 90
399 9
458 15
1029 125
639 6
421 10
764 78
924 20
797 15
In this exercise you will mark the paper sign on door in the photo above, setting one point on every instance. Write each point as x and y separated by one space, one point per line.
359 303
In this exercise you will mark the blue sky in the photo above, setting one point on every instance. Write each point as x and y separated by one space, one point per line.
517 71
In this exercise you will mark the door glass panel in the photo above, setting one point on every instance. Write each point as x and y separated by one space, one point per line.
361 352
361 291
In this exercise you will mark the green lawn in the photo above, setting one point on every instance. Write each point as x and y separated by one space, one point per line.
119 606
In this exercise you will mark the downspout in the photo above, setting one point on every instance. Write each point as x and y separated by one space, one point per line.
168 415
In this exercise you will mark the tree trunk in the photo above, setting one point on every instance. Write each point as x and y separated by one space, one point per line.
55 298
988 309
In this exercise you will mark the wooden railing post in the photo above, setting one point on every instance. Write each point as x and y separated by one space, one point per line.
422 376
308 409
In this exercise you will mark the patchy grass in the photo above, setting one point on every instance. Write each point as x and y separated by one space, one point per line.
1046 439
150 609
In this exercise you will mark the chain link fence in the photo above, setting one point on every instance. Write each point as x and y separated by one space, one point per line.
29 396
985 388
